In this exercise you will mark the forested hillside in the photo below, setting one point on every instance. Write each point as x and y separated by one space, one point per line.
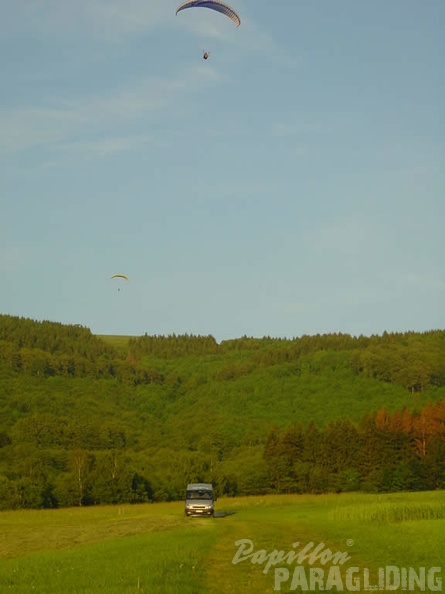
87 420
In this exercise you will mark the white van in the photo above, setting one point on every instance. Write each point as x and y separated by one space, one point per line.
199 499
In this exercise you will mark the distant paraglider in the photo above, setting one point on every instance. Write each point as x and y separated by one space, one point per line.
217 5
125 277
213 5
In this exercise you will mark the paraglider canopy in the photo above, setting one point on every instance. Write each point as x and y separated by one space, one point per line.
124 276
213 5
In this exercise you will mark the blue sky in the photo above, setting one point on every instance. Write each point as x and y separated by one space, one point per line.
294 183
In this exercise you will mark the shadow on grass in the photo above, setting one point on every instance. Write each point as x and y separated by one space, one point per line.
223 513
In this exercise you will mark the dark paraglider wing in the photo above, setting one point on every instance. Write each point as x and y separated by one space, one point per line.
213 5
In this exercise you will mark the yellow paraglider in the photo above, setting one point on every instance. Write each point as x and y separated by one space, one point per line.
124 276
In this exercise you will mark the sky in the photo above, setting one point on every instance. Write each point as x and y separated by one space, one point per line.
291 184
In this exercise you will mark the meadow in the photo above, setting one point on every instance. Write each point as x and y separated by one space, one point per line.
155 549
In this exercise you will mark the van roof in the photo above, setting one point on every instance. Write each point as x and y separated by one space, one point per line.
199 486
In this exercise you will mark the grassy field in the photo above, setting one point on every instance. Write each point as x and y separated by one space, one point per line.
118 341
155 549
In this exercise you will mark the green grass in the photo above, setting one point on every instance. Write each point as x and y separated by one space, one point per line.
117 340
125 565
156 549
399 507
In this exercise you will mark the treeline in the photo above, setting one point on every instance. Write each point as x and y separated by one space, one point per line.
172 346
85 420
385 452
402 451
415 361
53 337
48 349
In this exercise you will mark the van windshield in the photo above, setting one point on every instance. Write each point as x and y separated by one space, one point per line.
199 495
